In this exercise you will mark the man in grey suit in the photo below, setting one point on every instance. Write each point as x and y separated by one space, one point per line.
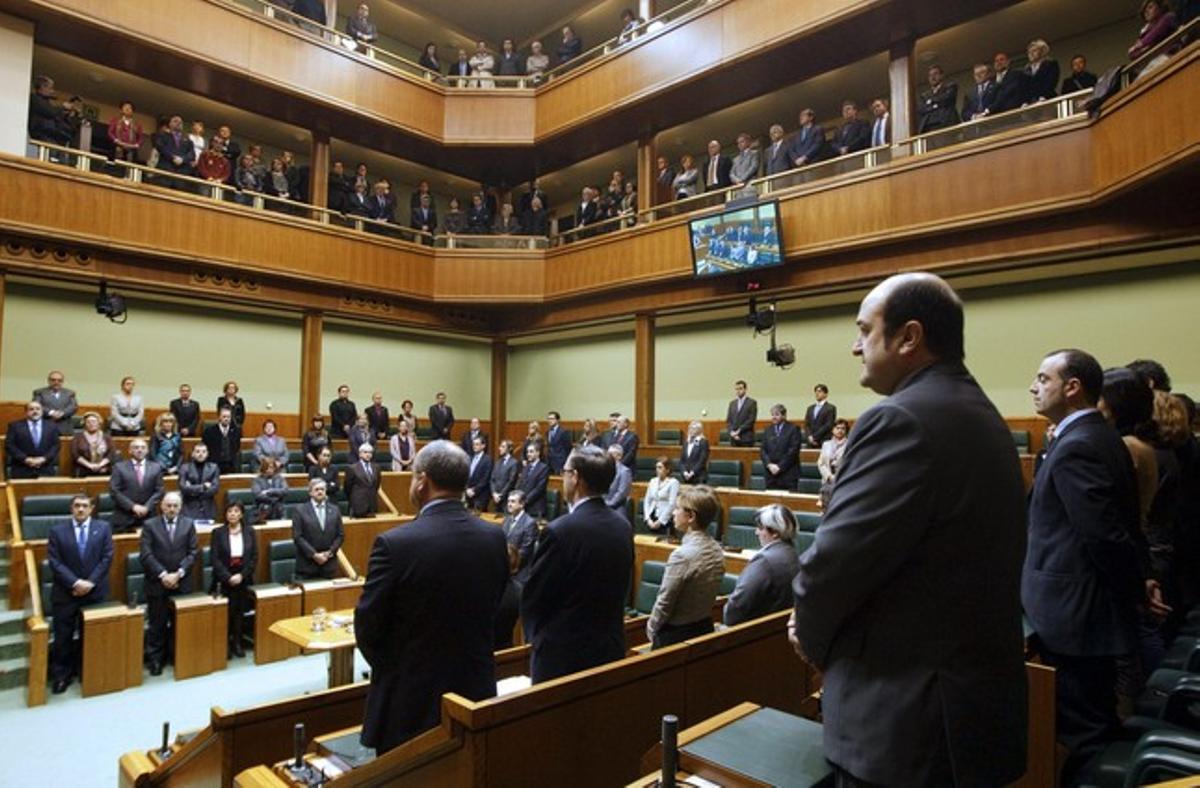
909 600
168 549
745 163
776 152
521 532
317 532
741 415
618 492
504 475
58 403
136 486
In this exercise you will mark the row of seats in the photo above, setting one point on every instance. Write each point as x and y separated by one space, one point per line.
295 463
652 579
728 473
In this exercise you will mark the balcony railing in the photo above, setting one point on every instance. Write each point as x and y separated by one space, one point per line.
1160 52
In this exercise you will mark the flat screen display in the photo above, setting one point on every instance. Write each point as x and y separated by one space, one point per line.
734 241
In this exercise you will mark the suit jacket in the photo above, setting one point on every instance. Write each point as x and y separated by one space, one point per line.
237 411
442 422
782 449
559 447
532 482
724 167
1012 90
742 421
854 135
342 415
1076 82
521 532
1083 577
504 476
765 585
330 475
617 494
425 619
809 142
199 503
480 480
310 539
745 166
18 445
378 419
819 427
224 450
629 442
573 605
64 400
381 209
221 556
468 440
126 492
160 554
339 189
585 214
909 599
777 157
67 565
1042 84
937 108
696 462
169 146
356 205
974 103
187 416
362 489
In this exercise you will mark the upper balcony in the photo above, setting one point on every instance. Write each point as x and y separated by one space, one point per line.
1050 184
705 56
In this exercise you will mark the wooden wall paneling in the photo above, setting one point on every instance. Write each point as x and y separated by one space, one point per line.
499 396
311 339
490 117
470 275
644 375
647 155
318 188
902 82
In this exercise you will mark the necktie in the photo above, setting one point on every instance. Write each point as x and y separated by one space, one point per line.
981 94
691 445
171 531
778 429
82 538
712 173
367 469
137 471
321 516
35 432
877 137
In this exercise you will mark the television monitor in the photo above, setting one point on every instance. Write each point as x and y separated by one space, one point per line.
733 241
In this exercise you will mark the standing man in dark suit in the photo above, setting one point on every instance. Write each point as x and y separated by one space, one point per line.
168 549
441 417
58 403
854 134
881 127
468 439
176 153
362 483
479 476
808 143
573 605
937 106
587 211
136 486
780 451
628 441
740 416
343 413
819 418
31 445
1012 89
909 600
80 552
693 458
504 475
717 168
1079 78
186 411
558 442
533 479
776 152
979 99
426 617
521 531
616 496
224 442
378 418
1083 581
317 532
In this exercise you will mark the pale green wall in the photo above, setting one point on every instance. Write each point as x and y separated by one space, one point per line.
580 377
406 366
162 345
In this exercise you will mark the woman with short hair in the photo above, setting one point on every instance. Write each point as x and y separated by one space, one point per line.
269 444
269 489
230 399
683 608
126 416
234 554
765 585
830 458
314 440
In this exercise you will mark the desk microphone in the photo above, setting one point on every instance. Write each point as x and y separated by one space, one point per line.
165 749
670 749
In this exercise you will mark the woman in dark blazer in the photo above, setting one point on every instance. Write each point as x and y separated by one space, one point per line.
324 469
233 403
234 554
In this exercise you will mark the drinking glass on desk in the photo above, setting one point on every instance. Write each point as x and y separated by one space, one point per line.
319 618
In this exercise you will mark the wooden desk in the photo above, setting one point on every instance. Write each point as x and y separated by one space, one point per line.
112 648
337 594
201 634
273 603
338 642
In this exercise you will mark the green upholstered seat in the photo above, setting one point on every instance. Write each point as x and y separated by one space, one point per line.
647 592
282 555
668 436
723 438
725 473
728 583
244 497
1021 438
39 513
758 476
134 578
644 471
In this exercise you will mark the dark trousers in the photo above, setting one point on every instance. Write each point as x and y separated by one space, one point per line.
66 653
159 644
669 635
1085 697
239 603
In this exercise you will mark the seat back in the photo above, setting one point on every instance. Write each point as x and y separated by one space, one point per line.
105 506
244 497
723 438
758 476
1021 438
39 513
739 531
647 592
728 583
807 521
553 499
283 560
46 584
810 478
644 470
425 433
668 436
247 462
725 473
134 578
206 570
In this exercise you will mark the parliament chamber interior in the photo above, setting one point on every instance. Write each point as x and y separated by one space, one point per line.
667 309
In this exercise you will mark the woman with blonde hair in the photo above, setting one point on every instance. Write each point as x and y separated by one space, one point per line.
683 608
166 444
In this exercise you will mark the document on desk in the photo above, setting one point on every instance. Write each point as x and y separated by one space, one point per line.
512 684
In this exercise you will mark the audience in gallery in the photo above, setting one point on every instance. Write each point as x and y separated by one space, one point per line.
361 29
692 578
